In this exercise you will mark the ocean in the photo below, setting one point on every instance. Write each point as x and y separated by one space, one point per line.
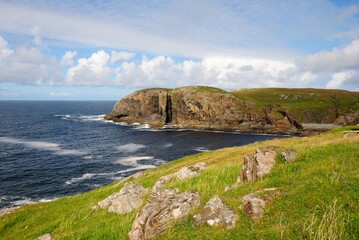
50 149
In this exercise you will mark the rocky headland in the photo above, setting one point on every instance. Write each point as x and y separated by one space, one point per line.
272 112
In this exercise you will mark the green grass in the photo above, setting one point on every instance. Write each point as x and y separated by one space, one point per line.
203 89
326 172
316 102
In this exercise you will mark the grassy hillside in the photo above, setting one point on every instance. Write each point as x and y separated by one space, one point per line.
322 182
316 102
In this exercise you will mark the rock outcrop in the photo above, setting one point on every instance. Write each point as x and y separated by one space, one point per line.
5 211
256 166
288 156
255 203
46 236
216 213
193 107
183 173
162 208
126 200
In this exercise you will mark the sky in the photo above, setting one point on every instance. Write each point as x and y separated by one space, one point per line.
104 50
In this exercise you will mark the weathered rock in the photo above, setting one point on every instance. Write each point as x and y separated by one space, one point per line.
216 212
254 203
161 209
183 173
46 236
288 156
126 200
5 211
200 108
256 166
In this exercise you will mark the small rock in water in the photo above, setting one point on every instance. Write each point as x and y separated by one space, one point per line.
216 212
288 156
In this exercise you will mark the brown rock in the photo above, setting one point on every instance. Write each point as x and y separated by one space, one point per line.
216 212
288 156
258 165
163 208
185 107
254 203
126 200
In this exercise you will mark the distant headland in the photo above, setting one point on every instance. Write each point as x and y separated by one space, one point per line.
297 111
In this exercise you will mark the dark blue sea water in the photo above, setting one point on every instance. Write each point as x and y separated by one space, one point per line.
56 148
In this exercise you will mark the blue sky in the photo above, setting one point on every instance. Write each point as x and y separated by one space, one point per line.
104 50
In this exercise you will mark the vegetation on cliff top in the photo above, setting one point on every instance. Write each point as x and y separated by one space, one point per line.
316 103
321 194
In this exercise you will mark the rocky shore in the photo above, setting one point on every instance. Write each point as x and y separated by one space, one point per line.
215 109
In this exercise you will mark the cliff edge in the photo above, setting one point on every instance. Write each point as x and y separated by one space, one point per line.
215 109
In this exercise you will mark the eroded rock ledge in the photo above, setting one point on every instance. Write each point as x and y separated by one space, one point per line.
189 107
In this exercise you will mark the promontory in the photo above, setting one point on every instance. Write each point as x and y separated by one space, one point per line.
261 110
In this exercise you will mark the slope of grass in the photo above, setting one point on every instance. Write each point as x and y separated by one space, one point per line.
325 173
299 100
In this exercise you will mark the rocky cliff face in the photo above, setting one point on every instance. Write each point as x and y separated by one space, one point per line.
198 108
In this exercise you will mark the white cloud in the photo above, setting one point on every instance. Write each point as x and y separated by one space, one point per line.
183 28
92 71
339 58
228 73
67 59
36 33
121 56
5 51
26 65
59 94
341 78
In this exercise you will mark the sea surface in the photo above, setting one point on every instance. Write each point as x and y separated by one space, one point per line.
50 149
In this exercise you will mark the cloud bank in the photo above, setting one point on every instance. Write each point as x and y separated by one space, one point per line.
337 68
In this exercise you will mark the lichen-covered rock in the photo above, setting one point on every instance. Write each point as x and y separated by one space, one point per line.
183 173
46 236
255 203
256 166
288 156
126 200
163 208
216 212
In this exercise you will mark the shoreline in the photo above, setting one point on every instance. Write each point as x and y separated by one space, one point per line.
309 129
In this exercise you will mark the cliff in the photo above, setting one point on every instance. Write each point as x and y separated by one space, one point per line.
249 110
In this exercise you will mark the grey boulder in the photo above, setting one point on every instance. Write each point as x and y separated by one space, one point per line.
216 213
162 208
288 156
126 200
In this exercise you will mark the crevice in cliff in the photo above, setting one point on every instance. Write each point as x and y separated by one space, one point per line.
291 119
168 109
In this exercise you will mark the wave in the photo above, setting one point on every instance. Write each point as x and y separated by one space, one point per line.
130 147
201 149
87 176
43 146
84 118
17 201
